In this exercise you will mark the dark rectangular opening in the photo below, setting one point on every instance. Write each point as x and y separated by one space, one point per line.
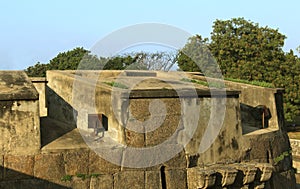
140 74
98 121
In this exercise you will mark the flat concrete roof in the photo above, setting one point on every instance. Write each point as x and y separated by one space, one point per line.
15 85
145 84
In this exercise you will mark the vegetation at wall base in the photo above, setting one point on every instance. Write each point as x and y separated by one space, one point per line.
80 175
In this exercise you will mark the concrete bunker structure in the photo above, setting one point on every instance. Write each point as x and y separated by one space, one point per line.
235 152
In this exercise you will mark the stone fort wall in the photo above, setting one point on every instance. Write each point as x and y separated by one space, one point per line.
259 158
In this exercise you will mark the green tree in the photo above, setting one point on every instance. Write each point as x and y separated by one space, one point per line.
289 78
92 62
192 56
119 62
82 59
244 50
77 58
68 60
38 70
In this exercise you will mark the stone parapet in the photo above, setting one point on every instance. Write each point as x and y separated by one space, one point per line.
231 175
19 114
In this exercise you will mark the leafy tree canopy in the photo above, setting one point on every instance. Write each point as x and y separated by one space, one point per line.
82 59
245 50
69 60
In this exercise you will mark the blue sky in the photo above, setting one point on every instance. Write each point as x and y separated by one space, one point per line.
33 31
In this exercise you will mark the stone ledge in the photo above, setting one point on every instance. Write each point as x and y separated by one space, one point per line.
15 85
227 175
38 79
185 93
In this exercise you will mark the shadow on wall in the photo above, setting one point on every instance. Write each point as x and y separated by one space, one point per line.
59 109
61 118
12 179
52 130
254 118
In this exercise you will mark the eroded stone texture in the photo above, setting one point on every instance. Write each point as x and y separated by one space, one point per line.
19 114
200 178
104 181
178 161
76 162
99 165
153 180
176 178
15 85
165 130
79 183
129 179
134 139
18 167
49 166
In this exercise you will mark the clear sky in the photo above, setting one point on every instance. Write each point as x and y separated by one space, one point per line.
33 31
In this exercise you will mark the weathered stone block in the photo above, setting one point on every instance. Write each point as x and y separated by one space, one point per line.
19 114
19 127
18 167
49 166
199 178
133 160
228 175
176 178
129 179
265 171
104 181
164 131
139 109
99 165
153 180
153 158
248 171
177 162
76 162
142 109
79 183
134 139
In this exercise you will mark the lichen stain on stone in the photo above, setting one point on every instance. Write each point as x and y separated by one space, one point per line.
221 137
220 150
5 106
234 143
